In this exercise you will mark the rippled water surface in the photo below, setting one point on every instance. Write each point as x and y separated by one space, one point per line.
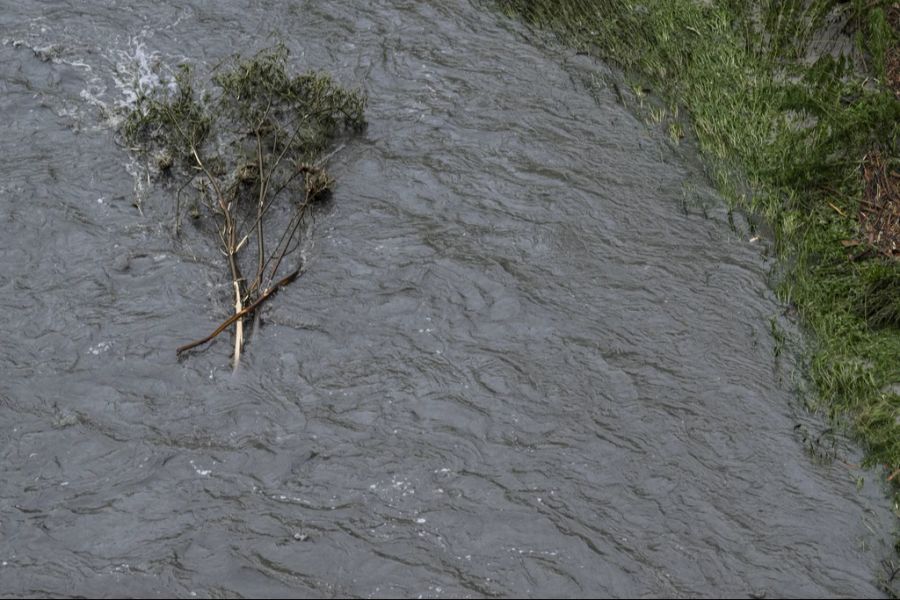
523 359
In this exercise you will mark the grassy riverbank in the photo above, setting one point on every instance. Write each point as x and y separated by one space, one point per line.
791 102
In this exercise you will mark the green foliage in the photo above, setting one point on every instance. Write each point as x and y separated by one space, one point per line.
308 106
176 121
253 142
300 113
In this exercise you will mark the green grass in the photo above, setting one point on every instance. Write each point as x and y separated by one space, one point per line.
784 107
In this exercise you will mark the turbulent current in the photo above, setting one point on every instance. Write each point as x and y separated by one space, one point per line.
529 356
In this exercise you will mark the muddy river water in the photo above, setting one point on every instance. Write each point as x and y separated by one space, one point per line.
529 355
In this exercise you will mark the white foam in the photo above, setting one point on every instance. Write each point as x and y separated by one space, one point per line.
140 72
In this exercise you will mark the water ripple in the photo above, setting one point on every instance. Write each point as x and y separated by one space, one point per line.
528 357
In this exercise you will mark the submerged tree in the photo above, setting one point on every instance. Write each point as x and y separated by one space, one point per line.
251 150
